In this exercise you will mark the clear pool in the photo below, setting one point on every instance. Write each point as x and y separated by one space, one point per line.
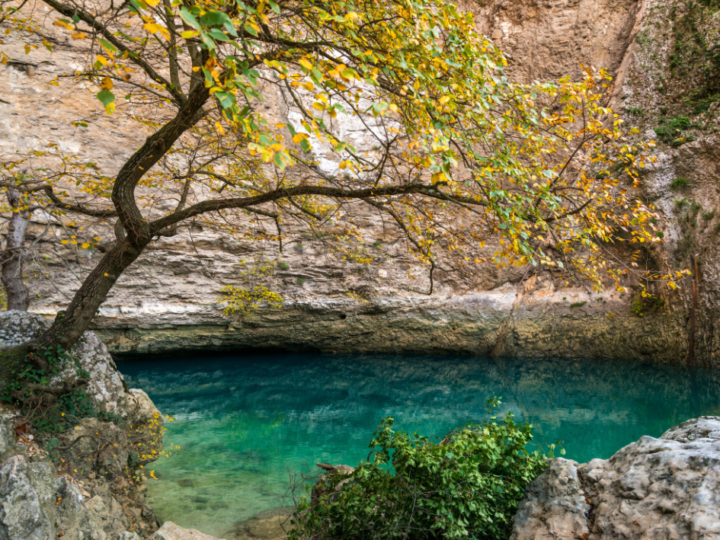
246 422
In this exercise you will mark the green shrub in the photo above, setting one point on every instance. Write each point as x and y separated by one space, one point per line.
635 111
467 485
284 266
679 183
670 130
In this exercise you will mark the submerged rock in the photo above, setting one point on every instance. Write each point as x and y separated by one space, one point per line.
170 531
269 525
651 489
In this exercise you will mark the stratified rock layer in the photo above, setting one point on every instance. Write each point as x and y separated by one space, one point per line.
654 488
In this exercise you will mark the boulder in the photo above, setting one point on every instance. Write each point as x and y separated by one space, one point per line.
651 489
170 531
554 505
17 327
35 504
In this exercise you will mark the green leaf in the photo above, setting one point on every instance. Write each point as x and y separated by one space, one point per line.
107 45
189 18
106 97
215 18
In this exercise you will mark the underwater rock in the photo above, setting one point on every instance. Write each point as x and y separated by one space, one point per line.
653 488
170 531
269 525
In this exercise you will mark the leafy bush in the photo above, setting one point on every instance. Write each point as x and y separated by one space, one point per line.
467 485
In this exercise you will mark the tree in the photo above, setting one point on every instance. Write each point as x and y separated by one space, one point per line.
461 153
30 190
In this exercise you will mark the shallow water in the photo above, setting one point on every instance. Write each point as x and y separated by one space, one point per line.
246 422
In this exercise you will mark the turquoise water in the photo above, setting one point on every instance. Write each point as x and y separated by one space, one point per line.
246 423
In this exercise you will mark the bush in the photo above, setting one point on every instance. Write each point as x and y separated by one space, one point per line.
679 183
467 485
670 130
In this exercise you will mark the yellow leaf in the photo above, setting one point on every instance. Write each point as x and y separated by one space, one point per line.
220 129
438 177
106 84
299 137
155 28
79 35
190 34
306 64
63 241
63 25
85 245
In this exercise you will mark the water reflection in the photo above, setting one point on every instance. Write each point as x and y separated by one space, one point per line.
245 421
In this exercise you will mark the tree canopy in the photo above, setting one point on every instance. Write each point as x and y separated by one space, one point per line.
459 153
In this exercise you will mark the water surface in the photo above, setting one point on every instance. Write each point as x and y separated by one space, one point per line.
247 422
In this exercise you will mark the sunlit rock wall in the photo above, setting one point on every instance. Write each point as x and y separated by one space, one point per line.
168 300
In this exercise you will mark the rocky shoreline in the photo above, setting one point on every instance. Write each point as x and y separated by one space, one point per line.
653 488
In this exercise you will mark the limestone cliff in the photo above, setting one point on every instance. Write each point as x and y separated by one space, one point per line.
168 300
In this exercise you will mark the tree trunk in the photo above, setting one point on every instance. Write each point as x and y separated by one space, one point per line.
69 325
13 256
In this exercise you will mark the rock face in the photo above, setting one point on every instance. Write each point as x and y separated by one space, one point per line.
37 504
653 488
168 299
